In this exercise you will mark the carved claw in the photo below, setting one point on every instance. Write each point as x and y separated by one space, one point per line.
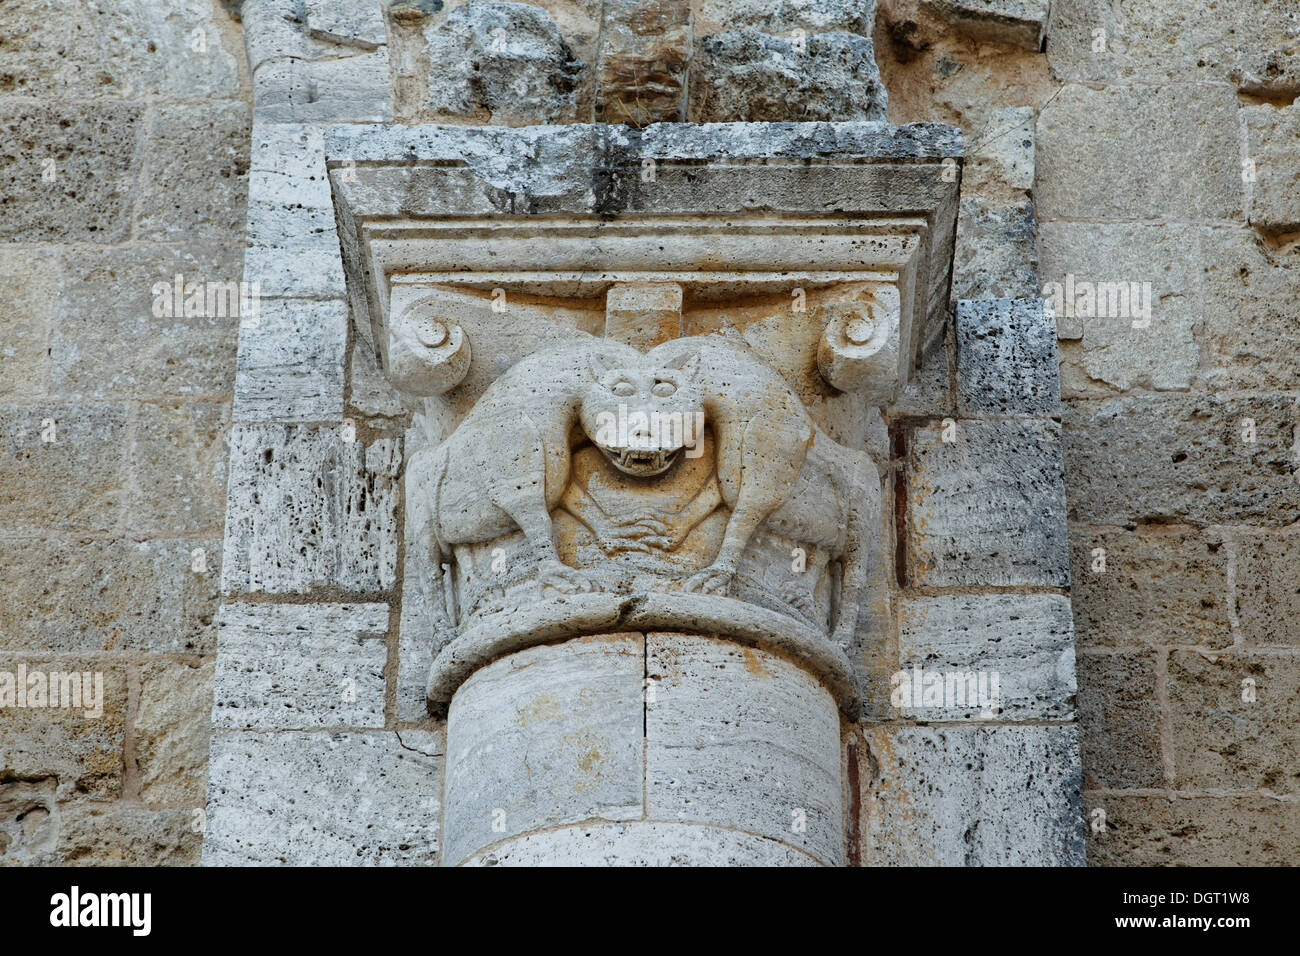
562 578
712 580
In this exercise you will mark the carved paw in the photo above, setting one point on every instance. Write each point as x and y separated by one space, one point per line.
562 578
802 602
714 580
635 534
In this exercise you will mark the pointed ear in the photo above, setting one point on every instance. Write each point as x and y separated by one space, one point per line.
688 364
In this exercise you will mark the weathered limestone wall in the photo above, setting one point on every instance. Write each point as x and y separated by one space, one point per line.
1167 151
123 163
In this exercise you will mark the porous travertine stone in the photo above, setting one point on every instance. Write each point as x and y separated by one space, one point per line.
1267 587
996 253
78 481
323 799
119 48
1129 291
1233 717
71 595
641 843
326 74
1249 294
118 835
28 289
987 507
171 730
1119 720
645 46
549 736
95 145
1006 358
1178 40
181 199
524 71
1272 143
747 76
290 363
972 796
293 245
783 17
151 348
75 749
1182 457
297 667
1020 645
1159 584
178 468
309 508
1193 830
743 739
356 22
1090 142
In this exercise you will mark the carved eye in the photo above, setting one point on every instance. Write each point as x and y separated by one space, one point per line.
663 388
623 388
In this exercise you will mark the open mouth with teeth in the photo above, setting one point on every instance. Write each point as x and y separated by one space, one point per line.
641 462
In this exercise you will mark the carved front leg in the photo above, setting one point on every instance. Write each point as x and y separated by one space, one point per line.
615 533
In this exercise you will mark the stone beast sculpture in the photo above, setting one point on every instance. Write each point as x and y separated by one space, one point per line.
506 466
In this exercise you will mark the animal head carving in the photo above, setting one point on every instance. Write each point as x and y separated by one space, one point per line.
640 415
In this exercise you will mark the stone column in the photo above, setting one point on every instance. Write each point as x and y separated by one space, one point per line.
643 749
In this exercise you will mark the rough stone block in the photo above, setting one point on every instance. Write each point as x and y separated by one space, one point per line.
342 89
72 479
972 796
1160 584
359 24
996 254
786 16
300 666
120 48
1272 144
1006 358
742 738
308 508
293 244
988 507
1000 156
1019 647
1182 458
1234 719
29 819
641 843
321 799
927 393
524 71
1151 830
290 362
70 595
1250 293
1130 292
748 76
29 283
1173 40
182 199
1105 153
68 174
171 729
150 346
178 460
1268 587
79 747
645 46
550 735
1017 23
91 835
1119 720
